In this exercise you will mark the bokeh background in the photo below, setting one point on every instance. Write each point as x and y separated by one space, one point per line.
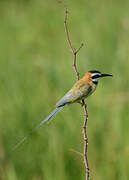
36 71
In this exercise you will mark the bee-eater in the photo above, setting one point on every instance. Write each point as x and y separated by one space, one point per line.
81 90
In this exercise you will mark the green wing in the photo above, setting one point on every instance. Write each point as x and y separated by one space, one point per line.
77 93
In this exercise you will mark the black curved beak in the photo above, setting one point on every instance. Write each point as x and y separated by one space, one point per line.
104 75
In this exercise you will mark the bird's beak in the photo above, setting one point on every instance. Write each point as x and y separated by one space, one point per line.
104 75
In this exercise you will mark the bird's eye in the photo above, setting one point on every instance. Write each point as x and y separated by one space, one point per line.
96 76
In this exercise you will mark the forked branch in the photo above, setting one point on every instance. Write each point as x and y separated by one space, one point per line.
74 52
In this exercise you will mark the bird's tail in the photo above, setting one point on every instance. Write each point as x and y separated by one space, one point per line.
39 125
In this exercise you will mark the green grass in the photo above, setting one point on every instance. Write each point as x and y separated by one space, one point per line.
36 71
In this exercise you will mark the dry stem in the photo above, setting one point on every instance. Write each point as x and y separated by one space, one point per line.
74 52
77 152
85 139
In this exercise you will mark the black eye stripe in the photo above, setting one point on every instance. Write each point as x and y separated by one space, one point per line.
96 76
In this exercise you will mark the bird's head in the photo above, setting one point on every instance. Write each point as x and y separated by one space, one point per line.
96 75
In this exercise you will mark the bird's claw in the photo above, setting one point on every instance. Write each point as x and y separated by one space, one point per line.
81 102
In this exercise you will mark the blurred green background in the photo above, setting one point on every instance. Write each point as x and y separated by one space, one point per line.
36 71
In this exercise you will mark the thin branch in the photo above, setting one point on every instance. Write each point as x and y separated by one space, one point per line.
79 48
85 139
67 32
74 52
77 152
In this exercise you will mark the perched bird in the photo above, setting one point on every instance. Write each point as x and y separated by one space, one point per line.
81 90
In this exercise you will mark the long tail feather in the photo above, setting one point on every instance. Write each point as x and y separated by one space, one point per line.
39 125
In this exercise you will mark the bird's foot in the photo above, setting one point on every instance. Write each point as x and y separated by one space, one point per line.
81 102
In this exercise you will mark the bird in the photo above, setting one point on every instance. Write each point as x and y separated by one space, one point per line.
80 90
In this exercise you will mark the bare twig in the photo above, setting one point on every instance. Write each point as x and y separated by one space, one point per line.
74 52
77 152
85 139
